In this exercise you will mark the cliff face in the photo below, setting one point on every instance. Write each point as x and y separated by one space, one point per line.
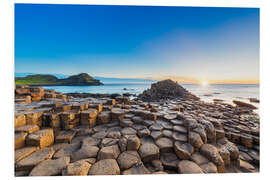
82 79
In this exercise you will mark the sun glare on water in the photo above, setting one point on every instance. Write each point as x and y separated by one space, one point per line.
204 83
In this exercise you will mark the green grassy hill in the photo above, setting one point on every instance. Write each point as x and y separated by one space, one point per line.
50 80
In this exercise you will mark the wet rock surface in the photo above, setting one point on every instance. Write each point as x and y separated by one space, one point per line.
50 167
105 167
188 167
78 168
128 158
56 134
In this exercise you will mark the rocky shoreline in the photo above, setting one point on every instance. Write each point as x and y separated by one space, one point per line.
159 132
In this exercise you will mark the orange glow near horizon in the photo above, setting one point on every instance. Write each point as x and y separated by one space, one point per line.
193 80
237 81
205 82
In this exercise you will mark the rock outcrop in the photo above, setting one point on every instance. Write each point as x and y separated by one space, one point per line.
166 89
244 104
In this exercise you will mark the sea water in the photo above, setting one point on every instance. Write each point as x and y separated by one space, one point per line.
226 92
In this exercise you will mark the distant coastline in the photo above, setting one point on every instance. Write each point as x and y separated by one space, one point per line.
104 80
82 79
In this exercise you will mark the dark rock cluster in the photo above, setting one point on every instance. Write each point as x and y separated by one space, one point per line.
166 89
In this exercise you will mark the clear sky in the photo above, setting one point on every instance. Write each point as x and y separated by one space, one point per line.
188 44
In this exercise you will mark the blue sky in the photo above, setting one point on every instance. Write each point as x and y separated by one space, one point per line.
182 43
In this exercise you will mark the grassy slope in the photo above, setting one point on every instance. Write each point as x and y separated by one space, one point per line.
34 82
36 79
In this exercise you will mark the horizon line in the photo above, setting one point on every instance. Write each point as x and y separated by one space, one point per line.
182 80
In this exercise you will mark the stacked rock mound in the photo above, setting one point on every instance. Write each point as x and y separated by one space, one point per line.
25 94
104 136
166 89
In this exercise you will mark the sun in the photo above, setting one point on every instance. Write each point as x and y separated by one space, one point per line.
204 83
